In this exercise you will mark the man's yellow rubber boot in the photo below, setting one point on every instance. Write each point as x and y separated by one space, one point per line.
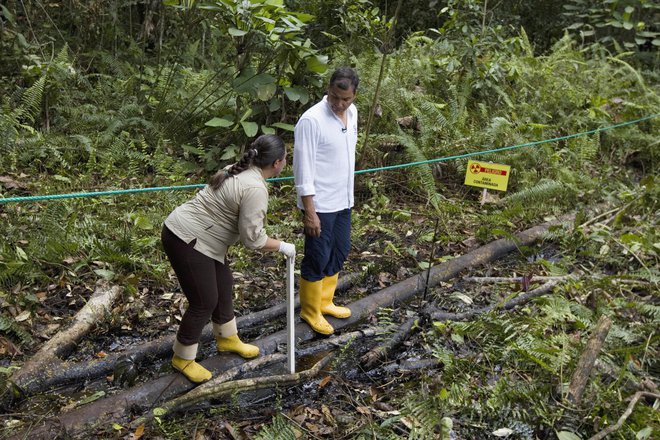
327 306
226 339
310 306
184 361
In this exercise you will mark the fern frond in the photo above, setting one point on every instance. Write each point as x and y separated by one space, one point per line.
423 172
541 192
426 411
31 101
9 326
279 429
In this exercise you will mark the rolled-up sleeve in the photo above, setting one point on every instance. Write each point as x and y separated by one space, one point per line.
253 208
304 153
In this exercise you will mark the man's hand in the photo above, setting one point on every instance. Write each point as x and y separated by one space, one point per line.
311 221
312 224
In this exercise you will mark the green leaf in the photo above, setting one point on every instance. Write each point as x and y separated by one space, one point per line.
266 91
249 81
23 42
567 435
8 15
236 32
291 93
645 433
159 412
250 128
627 25
61 178
219 122
105 274
656 42
97 395
143 222
283 126
230 152
21 253
267 130
317 63
297 94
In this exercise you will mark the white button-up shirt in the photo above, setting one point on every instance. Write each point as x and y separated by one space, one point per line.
324 157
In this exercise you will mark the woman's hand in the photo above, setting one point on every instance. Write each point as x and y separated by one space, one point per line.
288 249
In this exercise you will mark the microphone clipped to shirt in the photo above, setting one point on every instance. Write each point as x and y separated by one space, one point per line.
343 130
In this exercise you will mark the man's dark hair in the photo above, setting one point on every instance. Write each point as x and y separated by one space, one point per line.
345 78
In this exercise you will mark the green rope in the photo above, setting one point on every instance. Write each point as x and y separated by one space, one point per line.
371 170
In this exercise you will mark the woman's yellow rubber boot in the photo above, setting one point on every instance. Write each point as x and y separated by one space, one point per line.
184 361
310 306
328 307
226 339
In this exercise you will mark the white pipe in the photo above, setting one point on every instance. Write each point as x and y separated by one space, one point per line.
290 324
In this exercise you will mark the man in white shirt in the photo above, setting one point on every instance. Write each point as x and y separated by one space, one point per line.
323 167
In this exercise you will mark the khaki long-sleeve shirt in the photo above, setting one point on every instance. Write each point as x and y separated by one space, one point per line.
219 218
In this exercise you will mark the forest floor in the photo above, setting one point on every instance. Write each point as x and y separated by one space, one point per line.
347 399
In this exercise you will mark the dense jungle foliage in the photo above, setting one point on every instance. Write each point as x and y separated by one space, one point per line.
121 94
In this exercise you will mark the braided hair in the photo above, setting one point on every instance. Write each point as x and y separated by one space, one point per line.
264 151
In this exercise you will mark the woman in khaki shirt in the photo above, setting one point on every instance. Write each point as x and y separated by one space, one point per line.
196 236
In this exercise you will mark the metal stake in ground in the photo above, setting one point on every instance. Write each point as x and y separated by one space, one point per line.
290 325
428 269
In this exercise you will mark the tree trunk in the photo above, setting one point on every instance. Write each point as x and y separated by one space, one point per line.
69 372
47 361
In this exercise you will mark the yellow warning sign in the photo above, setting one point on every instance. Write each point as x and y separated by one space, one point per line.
487 175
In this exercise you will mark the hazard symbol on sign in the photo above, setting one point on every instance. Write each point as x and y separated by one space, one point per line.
487 175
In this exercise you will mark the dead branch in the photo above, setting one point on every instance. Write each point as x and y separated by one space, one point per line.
68 372
587 360
515 279
47 359
381 352
337 341
518 301
215 389
610 429
405 366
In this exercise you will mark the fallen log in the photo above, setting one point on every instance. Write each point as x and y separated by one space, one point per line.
147 395
516 279
70 372
48 359
439 315
380 352
215 390
407 365
215 387
587 361
570 419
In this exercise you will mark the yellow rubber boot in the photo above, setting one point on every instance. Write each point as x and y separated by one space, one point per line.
184 361
226 338
310 306
327 306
